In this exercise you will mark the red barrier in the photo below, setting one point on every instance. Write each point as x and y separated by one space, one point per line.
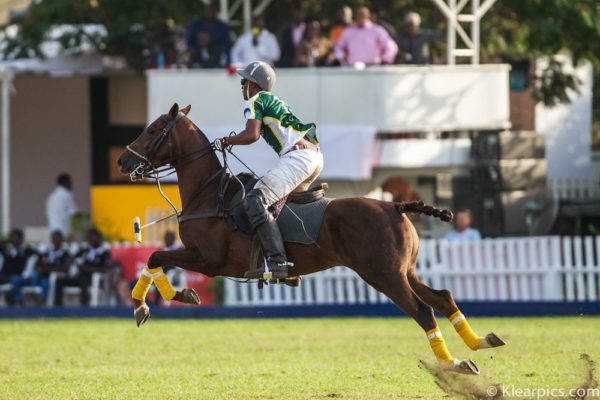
134 259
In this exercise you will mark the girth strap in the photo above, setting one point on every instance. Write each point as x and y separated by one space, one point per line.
203 215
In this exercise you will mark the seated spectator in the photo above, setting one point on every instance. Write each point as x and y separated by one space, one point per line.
209 29
314 50
291 38
56 259
366 42
206 54
414 42
462 228
345 20
257 45
94 257
17 267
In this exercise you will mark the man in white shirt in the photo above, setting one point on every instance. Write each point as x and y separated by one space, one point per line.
60 205
257 45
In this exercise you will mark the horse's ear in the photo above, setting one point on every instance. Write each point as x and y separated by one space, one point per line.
174 110
186 109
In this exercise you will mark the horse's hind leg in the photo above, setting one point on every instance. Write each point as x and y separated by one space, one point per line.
442 301
398 289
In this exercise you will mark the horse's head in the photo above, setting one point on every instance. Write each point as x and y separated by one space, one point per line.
153 148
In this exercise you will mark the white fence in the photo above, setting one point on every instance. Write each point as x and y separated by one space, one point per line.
571 189
548 268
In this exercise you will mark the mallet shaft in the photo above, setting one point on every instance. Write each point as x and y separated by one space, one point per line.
158 220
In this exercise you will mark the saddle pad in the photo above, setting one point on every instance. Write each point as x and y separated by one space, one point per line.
311 215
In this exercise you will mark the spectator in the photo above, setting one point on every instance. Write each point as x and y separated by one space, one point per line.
462 228
314 50
92 258
366 42
56 259
414 42
206 54
60 205
257 45
18 265
291 38
345 20
208 38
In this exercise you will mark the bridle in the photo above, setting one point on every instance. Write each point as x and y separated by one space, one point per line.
147 168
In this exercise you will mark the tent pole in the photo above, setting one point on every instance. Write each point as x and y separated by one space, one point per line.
7 77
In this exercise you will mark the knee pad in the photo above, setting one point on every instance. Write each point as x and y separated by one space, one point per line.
256 208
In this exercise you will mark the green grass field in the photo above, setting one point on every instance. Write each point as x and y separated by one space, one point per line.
276 359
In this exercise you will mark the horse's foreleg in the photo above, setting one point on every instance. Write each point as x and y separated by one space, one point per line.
442 301
153 273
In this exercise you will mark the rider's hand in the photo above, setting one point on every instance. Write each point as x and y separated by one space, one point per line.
221 143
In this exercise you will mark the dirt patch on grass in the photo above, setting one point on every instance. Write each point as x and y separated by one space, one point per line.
481 387
589 379
473 387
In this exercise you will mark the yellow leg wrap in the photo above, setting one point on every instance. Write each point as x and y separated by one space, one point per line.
438 345
141 288
164 286
463 328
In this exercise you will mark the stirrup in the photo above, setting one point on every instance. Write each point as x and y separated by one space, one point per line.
293 281
259 274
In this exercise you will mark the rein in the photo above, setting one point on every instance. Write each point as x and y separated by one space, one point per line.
147 169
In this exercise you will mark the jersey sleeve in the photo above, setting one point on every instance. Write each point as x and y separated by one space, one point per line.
254 108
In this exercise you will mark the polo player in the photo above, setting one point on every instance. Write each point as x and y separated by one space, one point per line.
300 160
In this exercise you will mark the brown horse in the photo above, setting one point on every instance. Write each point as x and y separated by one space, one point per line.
374 238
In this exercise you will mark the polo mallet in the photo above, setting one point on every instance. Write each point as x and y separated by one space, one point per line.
137 226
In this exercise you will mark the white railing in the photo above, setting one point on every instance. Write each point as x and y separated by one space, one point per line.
574 189
516 269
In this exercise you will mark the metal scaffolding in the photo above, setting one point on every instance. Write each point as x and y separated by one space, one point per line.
228 10
453 9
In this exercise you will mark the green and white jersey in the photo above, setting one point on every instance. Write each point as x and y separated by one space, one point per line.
280 128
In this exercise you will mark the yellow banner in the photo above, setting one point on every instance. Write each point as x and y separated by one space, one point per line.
115 206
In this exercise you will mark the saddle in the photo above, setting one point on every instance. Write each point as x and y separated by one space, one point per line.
299 217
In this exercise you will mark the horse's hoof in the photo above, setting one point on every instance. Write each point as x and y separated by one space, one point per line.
490 341
466 367
190 296
141 314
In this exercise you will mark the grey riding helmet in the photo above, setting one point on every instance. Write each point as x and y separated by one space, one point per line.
260 73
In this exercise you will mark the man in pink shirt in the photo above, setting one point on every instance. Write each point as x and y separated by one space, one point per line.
366 42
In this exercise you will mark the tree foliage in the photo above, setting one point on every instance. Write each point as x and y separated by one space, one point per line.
511 30
135 29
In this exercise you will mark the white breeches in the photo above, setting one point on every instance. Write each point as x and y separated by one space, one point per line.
295 171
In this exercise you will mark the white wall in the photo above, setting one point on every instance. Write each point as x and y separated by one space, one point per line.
50 133
567 129
390 98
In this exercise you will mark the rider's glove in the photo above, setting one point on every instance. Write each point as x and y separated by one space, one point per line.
221 143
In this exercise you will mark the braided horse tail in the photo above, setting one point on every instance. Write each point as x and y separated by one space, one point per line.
420 207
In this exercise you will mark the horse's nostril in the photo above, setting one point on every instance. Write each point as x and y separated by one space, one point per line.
119 162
